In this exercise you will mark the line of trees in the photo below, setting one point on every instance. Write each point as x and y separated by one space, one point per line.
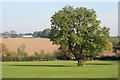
22 55
35 34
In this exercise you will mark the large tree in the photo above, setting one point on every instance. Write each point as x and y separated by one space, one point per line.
78 31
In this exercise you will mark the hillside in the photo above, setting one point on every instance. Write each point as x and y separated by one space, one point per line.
32 44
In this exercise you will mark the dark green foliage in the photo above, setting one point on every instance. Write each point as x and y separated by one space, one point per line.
59 55
109 58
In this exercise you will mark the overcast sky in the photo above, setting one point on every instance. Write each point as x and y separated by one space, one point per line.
26 17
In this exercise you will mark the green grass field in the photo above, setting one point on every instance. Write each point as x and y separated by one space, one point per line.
60 69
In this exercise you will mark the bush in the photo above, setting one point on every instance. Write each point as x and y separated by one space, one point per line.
42 56
109 58
63 55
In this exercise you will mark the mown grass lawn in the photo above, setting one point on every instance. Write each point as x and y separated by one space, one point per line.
60 69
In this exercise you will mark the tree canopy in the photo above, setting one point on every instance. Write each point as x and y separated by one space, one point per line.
78 31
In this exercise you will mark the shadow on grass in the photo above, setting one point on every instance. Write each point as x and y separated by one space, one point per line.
63 65
44 65
97 64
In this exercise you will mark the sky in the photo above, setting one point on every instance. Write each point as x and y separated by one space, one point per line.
119 19
26 17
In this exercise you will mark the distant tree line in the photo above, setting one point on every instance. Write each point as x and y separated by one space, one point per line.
35 34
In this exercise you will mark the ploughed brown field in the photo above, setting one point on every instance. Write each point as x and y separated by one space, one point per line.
32 44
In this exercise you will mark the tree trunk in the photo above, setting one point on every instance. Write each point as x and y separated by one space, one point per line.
80 62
